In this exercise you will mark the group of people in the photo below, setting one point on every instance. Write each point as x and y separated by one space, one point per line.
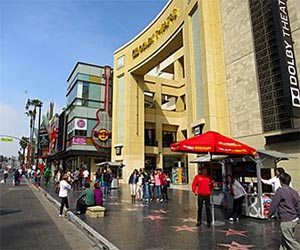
145 186
88 197
285 202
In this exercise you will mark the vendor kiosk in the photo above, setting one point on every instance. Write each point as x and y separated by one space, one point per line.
249 171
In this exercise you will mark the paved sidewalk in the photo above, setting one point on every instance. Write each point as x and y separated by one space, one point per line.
171 225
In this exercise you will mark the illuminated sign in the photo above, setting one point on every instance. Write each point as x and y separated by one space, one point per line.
158 33
103 134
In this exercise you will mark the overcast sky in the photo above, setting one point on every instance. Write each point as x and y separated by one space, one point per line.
42 40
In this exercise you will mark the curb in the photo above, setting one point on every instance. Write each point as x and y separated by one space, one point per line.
100 240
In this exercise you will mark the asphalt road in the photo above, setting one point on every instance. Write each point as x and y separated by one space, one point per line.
29 221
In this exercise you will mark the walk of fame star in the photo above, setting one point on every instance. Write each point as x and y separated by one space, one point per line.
154 217
233 232
236 246
185 228
160 211
189 219
131 209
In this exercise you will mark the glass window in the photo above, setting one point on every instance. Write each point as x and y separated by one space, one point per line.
149 99
150 137
90 125
85 90
168 138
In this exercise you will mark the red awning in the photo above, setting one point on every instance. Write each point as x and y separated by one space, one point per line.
213 142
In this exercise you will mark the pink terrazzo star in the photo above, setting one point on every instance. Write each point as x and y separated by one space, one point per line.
131 209
160 211
230 231
189 219
185 228
154 217
236 246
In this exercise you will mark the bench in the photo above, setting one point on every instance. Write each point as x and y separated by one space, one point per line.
95 211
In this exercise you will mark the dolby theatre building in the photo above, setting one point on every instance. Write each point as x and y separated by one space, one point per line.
226 66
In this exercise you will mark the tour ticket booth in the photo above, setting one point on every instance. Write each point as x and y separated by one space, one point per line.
249 171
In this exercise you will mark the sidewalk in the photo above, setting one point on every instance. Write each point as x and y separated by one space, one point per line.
172 225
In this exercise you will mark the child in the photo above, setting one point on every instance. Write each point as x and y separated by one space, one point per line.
98 194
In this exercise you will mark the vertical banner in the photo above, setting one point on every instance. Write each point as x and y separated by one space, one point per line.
287 57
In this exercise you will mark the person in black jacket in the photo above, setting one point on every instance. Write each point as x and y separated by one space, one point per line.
287 202
133 179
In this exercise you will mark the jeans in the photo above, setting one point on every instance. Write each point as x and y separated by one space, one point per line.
146 191
158 193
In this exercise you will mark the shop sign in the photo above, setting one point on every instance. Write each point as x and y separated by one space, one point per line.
157 34
287 57
79 140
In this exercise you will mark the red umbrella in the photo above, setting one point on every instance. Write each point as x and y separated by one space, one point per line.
213 142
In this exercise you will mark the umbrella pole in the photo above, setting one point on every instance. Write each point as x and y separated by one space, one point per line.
212 193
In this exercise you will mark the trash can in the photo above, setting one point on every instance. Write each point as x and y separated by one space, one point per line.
115 183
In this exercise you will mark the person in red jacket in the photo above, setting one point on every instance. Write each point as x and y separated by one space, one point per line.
201 187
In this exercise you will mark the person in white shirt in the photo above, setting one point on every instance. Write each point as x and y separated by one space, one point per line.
239 193
64 188
85 176
275 182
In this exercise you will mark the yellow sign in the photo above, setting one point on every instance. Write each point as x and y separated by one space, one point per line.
6 139
158 33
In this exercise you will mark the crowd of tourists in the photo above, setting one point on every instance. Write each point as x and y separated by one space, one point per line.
149 186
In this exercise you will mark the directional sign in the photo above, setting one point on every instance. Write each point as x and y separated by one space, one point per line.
6 139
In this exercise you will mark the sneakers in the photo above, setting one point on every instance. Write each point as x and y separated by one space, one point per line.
237 219
161 200
230 219
78 212
60 215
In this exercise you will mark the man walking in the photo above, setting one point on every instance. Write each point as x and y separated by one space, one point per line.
201 186
287 202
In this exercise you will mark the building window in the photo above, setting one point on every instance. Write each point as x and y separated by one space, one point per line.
168 102
149 99
168 138
150 137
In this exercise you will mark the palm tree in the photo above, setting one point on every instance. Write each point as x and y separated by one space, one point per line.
23 144
34 103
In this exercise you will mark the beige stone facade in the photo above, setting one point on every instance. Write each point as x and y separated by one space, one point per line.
192 68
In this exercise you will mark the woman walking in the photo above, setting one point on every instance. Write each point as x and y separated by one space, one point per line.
64 188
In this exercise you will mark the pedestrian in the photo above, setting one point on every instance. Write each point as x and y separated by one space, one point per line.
286 202
157 183
57 180
275 182
98 194
146 184
47 176
85 199
85 177
239 193
201 186
64 188
5 175
133 179
75 182
164 187
140 186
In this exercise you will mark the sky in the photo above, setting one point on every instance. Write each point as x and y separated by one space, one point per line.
42 40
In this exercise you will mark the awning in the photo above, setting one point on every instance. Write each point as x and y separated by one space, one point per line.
277 156
208 158
111 164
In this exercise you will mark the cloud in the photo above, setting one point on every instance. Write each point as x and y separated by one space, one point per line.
13 123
